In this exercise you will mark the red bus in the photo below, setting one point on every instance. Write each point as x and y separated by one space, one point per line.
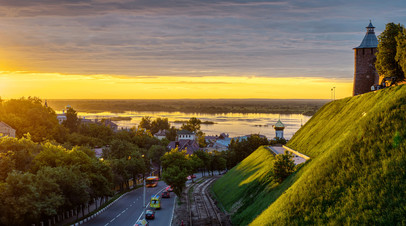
151 181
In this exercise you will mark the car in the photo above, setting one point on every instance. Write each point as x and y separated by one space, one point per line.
150 213
166 194
141 222
169 188
155 202
191 176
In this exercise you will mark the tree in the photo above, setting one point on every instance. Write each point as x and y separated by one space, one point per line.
176 177
201 139
193 125
176 168
145 122
18 199
204 156
401 50
155 153
72 121
171 133
218 162
30 116
195 164
159 124
283 166
386 64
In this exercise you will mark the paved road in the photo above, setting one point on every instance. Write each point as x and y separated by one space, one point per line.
128 209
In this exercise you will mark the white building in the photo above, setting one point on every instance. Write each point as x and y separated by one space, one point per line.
186 135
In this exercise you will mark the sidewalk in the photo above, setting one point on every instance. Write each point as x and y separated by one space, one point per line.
281 150
72 219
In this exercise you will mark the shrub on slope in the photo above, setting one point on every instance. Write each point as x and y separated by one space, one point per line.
358 171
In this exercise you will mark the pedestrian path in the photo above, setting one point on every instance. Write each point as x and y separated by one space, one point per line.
277 150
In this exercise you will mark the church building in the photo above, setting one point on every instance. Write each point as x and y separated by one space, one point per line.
365 74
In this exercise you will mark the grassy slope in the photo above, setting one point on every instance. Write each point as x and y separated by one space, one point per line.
357 174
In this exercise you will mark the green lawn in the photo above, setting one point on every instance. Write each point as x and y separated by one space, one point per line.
357 174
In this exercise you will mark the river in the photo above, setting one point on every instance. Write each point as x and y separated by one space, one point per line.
235 124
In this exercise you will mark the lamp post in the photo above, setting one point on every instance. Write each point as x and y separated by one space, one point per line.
143 175
333 93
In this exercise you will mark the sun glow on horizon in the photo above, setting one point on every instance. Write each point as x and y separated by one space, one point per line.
16 84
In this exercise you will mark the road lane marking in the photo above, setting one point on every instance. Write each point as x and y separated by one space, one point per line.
173 208
148 204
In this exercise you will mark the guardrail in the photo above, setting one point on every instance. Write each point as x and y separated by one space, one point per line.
296 153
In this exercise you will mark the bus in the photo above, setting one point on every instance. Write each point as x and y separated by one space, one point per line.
151 181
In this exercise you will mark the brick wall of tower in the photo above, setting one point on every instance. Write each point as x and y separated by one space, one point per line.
365 74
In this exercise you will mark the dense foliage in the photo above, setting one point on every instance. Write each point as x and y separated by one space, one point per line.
387 59
401 50
28 115
283 166
50 168
39 180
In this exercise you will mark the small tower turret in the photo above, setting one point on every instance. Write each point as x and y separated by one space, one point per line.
279 127
365 74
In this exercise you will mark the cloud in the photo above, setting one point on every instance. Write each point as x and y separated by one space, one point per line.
189 37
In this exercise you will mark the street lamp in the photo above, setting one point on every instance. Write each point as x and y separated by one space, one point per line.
333 93
143 175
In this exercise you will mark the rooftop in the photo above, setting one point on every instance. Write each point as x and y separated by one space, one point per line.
185 132
370 40
279 124
3 124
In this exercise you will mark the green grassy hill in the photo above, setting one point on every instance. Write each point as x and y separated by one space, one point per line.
357 174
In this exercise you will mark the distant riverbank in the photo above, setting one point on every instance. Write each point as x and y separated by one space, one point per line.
205 106
234 124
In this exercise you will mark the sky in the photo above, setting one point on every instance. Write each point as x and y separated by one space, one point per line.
169 49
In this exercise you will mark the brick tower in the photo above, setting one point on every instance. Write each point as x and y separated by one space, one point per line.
365 74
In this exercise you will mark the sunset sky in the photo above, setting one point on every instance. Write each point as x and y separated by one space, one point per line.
164 49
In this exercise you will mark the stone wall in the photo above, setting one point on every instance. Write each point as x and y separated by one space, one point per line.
365 74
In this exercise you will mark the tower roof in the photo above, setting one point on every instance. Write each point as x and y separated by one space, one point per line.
370 40
279 124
